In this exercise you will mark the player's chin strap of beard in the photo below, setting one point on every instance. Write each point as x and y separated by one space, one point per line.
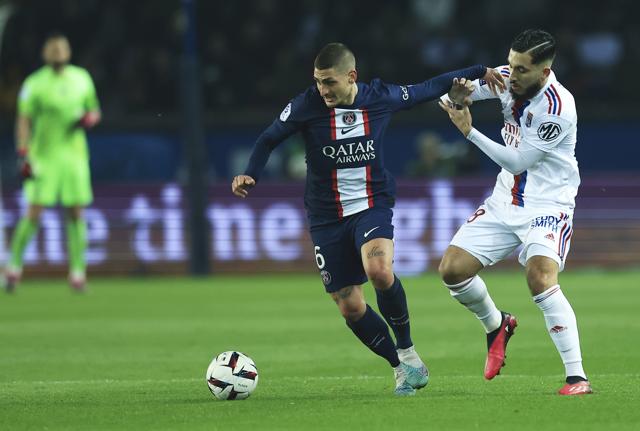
528 93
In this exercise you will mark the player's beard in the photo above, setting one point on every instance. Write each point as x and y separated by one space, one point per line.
529 92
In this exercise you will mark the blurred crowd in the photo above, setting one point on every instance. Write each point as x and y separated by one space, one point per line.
256 54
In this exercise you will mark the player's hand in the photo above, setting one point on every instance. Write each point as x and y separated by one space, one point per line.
89 120
241 185
495 81
461 118
24 167
460 92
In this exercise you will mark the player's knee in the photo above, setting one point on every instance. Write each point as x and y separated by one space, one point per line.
350 302
540 278
74 214
451 271
34 212
381 276
352 310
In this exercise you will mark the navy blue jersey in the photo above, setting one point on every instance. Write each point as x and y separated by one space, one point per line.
344 145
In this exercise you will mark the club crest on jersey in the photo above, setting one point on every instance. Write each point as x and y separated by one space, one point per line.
349 118
326 277
349 123
549 131
529 119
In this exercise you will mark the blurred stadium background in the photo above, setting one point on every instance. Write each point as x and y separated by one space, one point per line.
187 86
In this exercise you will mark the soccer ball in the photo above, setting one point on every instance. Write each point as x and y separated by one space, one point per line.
232 376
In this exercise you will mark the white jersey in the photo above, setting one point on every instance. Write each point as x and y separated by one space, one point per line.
548 122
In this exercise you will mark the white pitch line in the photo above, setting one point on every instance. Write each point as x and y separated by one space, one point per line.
310 378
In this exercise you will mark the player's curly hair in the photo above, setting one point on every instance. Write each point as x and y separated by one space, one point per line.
334 55
537 43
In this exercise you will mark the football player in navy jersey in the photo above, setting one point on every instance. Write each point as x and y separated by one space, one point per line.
349 195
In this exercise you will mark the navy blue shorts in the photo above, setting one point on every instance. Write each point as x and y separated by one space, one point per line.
337 246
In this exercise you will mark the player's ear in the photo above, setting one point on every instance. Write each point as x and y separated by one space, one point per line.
353 76
546 71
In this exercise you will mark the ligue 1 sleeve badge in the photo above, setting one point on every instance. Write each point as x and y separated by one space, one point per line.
285 113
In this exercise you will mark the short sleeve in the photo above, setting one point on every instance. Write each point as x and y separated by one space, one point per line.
91 99
27 99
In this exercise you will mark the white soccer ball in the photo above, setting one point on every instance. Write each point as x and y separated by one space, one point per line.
232 376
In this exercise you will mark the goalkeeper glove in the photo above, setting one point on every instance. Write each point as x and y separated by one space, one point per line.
88 120
24 167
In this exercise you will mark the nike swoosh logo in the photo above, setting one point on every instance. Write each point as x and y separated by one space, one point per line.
366 234
345 131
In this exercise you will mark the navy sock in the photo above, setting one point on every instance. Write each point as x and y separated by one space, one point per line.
374 334
393 306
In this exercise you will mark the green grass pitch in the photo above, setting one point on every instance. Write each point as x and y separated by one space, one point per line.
132 353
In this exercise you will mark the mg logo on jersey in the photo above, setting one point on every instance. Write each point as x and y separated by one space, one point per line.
349 123
549 131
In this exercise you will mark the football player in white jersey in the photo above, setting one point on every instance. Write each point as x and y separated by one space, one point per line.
532 203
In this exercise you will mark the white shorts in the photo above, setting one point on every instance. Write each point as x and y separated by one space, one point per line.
494 231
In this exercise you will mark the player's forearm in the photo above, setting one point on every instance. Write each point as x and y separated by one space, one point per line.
441 84
97 114
258 159
277 132
508 158
23 133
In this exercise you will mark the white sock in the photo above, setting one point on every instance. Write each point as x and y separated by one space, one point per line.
562 327
473 294
410 356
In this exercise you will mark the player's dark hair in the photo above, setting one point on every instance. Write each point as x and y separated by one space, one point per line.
333 55
537 43
55 35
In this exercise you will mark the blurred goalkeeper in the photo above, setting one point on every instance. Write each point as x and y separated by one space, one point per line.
56 104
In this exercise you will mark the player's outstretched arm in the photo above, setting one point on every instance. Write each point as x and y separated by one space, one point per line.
241 185
514 161
465 92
